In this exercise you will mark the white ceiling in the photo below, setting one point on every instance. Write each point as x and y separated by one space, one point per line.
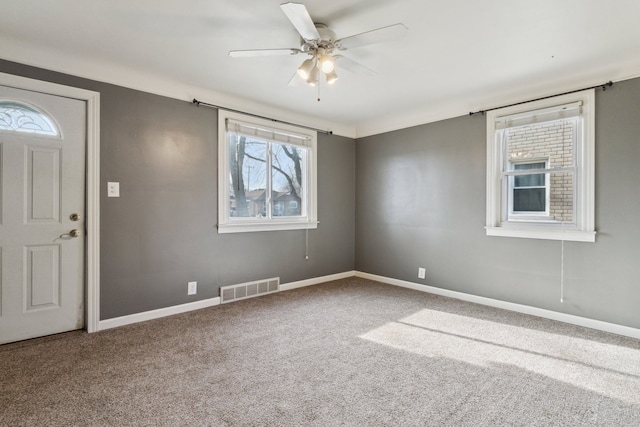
458 55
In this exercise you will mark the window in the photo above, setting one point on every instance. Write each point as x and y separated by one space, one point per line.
540 169
267 175
528 194
19 117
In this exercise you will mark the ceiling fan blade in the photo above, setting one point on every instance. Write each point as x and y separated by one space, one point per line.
383 34
262 52
295 80
353 66
300 18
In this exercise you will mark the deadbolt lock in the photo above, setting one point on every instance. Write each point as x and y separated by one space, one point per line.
74 216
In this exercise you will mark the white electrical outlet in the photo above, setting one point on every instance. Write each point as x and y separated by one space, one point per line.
421 273
192 288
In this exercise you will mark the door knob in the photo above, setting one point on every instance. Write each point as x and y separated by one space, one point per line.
73 233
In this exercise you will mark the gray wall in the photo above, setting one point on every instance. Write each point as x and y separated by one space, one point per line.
161 232
418 197
420 202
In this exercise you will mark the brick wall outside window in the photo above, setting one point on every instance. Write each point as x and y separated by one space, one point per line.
551 142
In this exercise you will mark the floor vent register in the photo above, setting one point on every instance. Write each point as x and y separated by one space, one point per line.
249 290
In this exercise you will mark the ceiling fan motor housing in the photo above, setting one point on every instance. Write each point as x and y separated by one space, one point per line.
326 35
326 42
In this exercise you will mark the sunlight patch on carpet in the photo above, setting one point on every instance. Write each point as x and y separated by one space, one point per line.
610 370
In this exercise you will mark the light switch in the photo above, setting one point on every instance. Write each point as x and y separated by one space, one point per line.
113 189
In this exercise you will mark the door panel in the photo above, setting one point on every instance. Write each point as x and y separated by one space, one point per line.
42 274
42 183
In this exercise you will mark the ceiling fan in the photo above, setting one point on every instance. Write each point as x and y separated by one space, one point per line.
322 47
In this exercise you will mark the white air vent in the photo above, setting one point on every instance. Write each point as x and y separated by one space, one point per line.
249 289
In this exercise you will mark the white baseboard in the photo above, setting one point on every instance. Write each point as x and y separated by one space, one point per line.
316 280
156 314
197 305
519 308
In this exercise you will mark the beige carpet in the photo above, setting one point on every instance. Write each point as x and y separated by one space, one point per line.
351 352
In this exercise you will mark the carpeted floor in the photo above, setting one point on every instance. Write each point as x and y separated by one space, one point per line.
349 353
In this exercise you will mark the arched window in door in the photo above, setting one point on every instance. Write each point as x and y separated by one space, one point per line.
20 117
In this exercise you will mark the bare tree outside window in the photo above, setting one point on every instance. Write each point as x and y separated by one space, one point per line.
249 159
287 180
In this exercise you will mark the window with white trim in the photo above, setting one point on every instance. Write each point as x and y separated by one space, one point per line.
267 175
540 169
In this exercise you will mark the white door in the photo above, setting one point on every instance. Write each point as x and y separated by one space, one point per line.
42 189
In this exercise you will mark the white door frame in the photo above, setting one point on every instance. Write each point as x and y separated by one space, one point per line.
92 255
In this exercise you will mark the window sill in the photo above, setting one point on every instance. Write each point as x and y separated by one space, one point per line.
542 233
254 227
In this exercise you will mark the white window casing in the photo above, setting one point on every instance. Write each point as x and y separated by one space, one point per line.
577 107
276 133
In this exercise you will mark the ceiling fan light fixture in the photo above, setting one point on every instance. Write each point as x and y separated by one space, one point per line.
306 68
313 77
327 63
331 77
321 47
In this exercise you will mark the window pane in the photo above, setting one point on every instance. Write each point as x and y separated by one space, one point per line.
287 170
536 180
248 179
15 116
528 166
549 140
529 200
